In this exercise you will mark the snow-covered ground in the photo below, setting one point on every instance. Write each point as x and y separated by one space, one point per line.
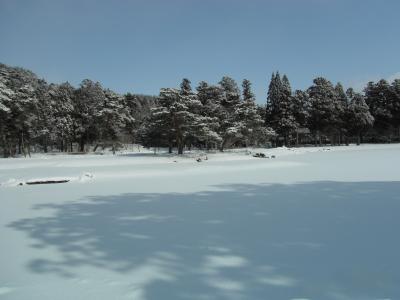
311 223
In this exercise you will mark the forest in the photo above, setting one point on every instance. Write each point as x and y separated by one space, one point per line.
36 116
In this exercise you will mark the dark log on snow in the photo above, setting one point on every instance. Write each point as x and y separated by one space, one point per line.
47 181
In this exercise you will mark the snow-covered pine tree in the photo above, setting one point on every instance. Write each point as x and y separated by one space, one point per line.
194 123
186 88
301 108
177 115
322 108
88 100
139 107
155 130
272 99
341 112
280 109
378 97
230 127
395 87
43 128
231 92
20 122
62 112
113 117
6 96
251 124
360 118
210 96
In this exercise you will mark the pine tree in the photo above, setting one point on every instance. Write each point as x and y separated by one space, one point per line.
6 96
230 128
273 97
301 110
322 107
186 88
360 119
395 107
87 104
341 111
19 101
62 98
43 115
249 120
280 108
210 97
177 116
231 91
378 98
246 90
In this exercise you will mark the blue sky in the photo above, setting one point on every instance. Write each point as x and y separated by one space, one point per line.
142 45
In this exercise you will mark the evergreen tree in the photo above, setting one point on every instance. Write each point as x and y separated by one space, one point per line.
301 110
210 97
43 115
395 106
360 119
6 96
280 108
246 91
88 100
62 98
248 118
139 107
230 128
341 111
231 92
19 102
273 98
322 107
379 100
178 115
113 117
186 88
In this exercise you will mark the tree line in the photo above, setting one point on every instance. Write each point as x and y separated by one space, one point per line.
38 116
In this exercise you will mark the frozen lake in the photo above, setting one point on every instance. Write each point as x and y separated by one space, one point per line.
312 223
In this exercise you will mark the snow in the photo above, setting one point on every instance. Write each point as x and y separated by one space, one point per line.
312 223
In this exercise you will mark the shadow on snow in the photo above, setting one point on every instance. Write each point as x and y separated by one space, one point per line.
321 240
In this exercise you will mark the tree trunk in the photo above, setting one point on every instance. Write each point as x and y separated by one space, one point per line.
29 149
45 144
82 145
180 148
4 146
20 143
319 139
23 144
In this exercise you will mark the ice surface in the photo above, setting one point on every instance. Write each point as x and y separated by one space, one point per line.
310 224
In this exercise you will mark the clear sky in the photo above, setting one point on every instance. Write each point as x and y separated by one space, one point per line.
142 45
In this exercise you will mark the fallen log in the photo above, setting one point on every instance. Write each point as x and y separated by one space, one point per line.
47 181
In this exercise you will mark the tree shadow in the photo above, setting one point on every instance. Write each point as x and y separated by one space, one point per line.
320 240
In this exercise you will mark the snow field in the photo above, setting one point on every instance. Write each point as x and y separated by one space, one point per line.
310 224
